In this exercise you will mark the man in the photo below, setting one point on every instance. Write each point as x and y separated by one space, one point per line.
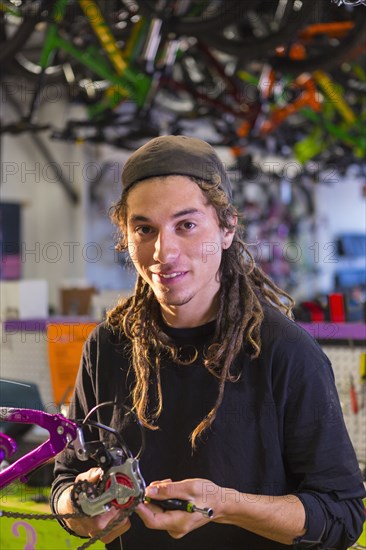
239 404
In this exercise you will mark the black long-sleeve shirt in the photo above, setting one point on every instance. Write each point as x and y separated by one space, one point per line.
279 431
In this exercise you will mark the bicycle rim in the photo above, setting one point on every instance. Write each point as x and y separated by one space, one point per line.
195 16
260 31
329 56
17 23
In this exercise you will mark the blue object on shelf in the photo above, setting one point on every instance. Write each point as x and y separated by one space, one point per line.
352 245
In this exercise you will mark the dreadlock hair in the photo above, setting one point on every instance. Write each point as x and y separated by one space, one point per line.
244 287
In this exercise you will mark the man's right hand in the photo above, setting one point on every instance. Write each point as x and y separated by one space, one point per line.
91 526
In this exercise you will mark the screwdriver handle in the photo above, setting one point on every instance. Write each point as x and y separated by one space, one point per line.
179 504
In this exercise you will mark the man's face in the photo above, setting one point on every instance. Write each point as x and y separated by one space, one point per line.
176 244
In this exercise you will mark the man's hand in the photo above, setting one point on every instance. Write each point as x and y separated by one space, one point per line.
279 518
201 492
91 526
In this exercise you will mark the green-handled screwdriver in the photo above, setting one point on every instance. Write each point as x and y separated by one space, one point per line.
179 504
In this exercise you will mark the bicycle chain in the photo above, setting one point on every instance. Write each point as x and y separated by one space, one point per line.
92 488
20 515
83 486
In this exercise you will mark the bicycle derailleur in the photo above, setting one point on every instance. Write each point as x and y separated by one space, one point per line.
121 485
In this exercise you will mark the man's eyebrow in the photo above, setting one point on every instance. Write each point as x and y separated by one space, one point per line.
185 212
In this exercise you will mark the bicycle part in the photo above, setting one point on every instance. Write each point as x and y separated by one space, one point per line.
308 97
7 447
79 24
352 77
126 495
125 131
17 22
338 36
124 481
23 125
62 431
339 132
131 83
264 26
199 85
27 40
195 16
331 92
350 2
104 532
121 486
116 458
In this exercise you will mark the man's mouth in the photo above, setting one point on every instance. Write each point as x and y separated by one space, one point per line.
170 275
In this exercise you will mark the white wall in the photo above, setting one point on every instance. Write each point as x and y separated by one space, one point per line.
105 270
48 217
57 240
340 208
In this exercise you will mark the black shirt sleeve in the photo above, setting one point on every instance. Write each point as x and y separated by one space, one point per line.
320 454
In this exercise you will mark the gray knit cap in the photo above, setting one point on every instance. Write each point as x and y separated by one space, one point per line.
176 155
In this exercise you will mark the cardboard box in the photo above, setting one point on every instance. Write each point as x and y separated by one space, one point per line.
76 301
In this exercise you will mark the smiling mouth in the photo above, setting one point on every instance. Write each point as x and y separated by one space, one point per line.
170 275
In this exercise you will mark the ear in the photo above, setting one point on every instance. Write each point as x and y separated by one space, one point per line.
228 234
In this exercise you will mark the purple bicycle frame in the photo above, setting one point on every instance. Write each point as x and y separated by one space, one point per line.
62 431
7 446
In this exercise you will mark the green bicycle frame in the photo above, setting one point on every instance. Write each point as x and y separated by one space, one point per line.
352 136
126 82
349 130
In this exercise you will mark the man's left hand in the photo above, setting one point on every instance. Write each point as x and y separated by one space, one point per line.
201 492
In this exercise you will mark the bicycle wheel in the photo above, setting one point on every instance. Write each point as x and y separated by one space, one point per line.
181 88
263 27
198 85
76 28
195 16
17 23
25 32
332 39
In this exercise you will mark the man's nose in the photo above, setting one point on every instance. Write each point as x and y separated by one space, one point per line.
166 247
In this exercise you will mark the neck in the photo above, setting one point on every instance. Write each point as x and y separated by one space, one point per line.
184 317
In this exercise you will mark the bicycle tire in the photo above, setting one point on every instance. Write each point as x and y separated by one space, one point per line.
244 47
329 58
230 11
22 64
198 86
11 45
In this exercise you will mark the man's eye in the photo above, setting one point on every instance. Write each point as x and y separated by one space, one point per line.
188 225
143 230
